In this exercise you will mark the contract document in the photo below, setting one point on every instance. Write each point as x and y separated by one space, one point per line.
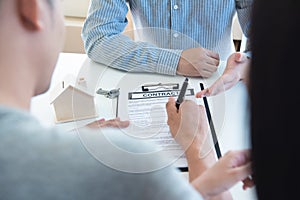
146 111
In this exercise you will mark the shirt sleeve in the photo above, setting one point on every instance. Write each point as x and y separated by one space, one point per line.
104 42
244 9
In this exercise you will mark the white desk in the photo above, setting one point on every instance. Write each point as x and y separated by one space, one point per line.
229 110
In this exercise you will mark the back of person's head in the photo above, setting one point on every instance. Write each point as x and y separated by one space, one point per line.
31 37
275 102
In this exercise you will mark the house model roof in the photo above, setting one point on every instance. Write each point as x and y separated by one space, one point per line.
69 82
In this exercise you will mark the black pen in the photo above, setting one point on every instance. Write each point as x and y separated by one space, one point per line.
211 124
182 93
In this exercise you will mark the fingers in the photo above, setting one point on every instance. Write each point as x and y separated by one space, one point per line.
240 162
248 183
213 55
240 57
204 69
188 105
185 107
101 123
219 86
117 123
212 64
239 158
99 120
215 89
245 157
170 106
244 171
213 61
197 62
171 110
190 111
95 124
231 75
203 93
205 73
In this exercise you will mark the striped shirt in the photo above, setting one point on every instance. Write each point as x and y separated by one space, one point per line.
163 28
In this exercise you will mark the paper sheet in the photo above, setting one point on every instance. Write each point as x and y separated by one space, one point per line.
148 121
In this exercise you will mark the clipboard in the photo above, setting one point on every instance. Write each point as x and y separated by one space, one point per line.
166 86
145 109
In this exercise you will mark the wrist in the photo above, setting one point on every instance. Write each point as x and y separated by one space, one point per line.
182 62
168 61
203 155
179 70
200 185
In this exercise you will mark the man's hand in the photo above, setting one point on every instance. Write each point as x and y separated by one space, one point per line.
198 62
188 125
101 123
236 70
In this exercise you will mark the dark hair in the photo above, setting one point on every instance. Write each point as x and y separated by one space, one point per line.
275 102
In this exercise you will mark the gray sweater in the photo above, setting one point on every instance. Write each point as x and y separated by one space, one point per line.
45 163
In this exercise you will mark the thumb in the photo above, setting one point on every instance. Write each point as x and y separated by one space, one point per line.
203 93
240 57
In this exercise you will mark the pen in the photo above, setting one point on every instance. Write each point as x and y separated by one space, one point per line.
211 124
182 93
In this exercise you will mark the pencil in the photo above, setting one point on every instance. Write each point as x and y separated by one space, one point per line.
211 124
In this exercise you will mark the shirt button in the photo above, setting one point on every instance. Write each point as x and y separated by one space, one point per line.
175 7
175 35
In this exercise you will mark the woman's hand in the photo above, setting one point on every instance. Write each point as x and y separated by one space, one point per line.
233 167
236 70
101 123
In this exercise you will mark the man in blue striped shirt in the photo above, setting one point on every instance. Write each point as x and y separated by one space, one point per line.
187 37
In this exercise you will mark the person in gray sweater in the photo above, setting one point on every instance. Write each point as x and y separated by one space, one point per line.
38 162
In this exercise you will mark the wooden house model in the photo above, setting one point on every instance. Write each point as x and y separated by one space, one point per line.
72 101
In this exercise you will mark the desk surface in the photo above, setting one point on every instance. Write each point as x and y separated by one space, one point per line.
231 123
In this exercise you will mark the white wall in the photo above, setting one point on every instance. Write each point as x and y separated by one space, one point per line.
237 33
76 8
